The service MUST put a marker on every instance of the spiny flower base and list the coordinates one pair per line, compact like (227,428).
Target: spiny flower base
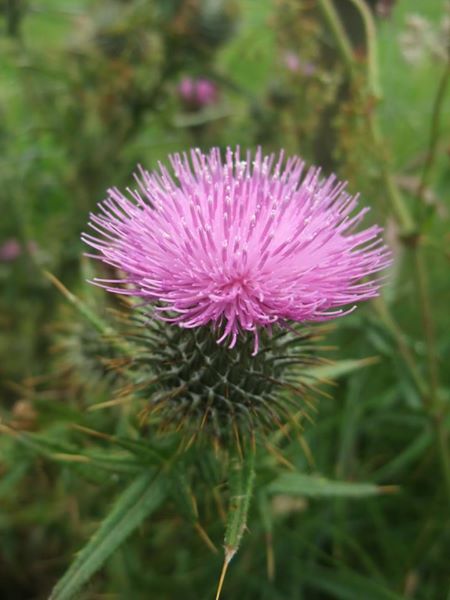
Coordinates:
(199,386)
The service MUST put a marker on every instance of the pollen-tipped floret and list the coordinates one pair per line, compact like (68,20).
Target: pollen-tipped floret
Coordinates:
(239,243)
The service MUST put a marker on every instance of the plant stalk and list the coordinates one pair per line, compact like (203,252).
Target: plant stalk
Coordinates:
(408,226)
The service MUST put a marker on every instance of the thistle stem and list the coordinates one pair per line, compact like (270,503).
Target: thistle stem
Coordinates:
(343,44)
(373,77)
(399,208)
(333,21)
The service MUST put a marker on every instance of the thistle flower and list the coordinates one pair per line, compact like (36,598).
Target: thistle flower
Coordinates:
(238,245)
(244,250)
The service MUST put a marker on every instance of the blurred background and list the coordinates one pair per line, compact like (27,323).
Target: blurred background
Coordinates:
(88,90)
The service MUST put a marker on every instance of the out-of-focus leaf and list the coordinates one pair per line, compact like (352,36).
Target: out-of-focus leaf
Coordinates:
(337,369)
(12,477)
(139,500)
(298,484)
(66,453)
(411,453)
(346,585)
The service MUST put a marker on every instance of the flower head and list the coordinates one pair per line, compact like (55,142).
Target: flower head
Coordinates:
(239,243)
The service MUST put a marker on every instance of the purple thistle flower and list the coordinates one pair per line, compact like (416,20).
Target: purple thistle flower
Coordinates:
(239,244)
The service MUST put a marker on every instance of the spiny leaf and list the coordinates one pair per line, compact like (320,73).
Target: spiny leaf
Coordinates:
(139,500)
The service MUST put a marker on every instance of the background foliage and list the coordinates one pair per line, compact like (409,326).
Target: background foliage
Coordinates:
(87,91)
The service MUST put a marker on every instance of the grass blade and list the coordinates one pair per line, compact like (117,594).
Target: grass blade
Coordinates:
(314,486)
(141,498)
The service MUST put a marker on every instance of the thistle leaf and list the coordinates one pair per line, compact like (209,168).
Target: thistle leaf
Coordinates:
(139,500)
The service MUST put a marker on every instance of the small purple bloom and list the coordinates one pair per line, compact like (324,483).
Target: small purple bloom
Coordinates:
(198,93)
(239,243)
(10,250)
(186,89)
(206,92)
(291,61)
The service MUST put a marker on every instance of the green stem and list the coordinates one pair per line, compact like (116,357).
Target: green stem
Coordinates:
(398,205)
(333,21)
(432,400)
(443,444)
(399,208)
(373,76)
(385,315)
(434,132)
(428,325)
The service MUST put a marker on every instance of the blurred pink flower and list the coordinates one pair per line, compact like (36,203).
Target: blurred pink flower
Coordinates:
(198,93)
(295,64)
(186,89)
(10,250)
(291,61)
(206,92)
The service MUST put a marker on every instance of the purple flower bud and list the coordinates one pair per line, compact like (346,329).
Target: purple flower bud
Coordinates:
(197,93)
(206,92)
(294,64)
(186,89)
(291,61)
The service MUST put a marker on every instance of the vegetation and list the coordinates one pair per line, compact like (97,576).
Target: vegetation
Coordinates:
(349,500)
